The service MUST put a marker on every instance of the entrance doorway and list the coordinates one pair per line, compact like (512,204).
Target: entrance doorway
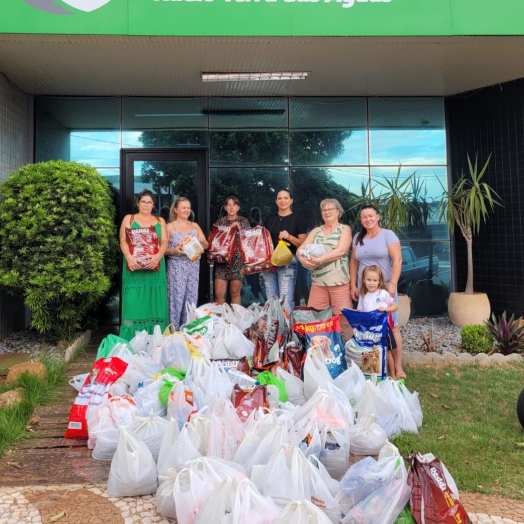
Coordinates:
(169,173)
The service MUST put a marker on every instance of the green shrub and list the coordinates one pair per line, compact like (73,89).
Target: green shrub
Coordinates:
(476,339)
(58,243)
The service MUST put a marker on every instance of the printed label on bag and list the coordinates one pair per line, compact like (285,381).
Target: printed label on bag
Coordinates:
(74,425)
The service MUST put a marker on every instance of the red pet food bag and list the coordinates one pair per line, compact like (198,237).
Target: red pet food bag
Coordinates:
(432,500)
(222,244)
(143,244)
(256,248)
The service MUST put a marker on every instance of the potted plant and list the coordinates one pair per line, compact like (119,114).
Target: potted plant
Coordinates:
(467,205)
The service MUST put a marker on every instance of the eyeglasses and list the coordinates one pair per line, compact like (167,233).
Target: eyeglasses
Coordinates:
(146,203)
(329,209)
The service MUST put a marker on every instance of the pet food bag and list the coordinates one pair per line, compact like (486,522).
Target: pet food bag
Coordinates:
(222,244)
(368,346)
(256,248)
(191,247)
(434,496)
(143,244)
(325,339)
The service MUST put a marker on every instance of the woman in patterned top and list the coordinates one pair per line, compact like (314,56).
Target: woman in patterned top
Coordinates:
(330,272)
(234,271)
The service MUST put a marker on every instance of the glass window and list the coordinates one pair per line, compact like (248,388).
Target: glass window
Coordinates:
(310,185)
(423,189)
(256,188)
(149,122)
(407,131)
(328,131)
(80,129)
(248,131)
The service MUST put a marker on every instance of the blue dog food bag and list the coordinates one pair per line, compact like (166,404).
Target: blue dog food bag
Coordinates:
(367,349)
(326,337)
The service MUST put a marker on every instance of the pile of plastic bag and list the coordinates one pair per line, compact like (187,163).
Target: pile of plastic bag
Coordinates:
(239,418)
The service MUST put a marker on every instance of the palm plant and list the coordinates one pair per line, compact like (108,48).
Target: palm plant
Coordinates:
(467,205)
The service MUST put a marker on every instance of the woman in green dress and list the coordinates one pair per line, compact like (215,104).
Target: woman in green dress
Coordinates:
(144,288)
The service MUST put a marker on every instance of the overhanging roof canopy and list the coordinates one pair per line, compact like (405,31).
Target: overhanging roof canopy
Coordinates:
(339,66)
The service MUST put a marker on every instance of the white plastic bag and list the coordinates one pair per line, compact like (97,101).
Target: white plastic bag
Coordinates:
(150,430)
(372,402)
(246,317)
(302,512)
(155,346)
(351,382)
(165,497)
(175,353)
(384,504)
(226,431)
(133,471)
(140,341)
(147,398)
(183,451)
(316,374)
(220,504)
(391,391)
(180,403)
(122,352)
(294,387)
(413,403)
(146,366)
(219,385)
(253,508)
(78,381)
(169,439)
(366,437)
(123,410)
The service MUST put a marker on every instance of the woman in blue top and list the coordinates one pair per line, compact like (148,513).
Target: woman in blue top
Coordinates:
(373,245)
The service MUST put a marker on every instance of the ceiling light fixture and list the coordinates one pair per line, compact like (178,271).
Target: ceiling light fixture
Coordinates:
(252,77)
(167,114)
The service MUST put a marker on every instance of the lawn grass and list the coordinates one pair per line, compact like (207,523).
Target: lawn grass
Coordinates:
(470,423)
(37,391)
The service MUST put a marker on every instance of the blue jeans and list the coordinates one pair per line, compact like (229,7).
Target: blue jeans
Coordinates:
(282,284)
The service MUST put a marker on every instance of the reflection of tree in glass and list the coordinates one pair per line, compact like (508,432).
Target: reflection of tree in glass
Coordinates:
(255,187)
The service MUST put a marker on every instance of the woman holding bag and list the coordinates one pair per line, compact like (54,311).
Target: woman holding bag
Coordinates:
(144,294)
(330,271)
(290,227)
(182,272)
(234,271)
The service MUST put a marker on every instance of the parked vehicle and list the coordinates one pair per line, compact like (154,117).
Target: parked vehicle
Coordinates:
(415,270)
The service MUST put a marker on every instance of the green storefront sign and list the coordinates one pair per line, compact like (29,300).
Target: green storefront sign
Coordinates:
(264,17)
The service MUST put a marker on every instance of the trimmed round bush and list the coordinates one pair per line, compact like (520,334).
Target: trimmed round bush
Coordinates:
(58,242)
(476,339)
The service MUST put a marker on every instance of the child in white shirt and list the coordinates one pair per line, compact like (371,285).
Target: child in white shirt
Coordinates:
(373,296)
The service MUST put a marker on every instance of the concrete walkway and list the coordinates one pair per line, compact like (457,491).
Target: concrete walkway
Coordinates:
(49,475)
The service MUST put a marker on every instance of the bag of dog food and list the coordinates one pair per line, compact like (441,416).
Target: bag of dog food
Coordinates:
(367,349)
(143,244)
(222,244)
(325,339)
(256,249)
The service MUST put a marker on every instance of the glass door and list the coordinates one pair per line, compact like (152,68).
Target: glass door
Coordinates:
(169,174)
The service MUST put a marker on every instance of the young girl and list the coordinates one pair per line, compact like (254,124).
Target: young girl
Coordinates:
(373,296)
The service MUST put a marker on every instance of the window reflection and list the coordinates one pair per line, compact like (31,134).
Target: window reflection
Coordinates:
(407,131)
(328,131)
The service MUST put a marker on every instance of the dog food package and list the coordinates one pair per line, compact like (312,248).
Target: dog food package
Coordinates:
(143,244)
(256,249)
(325,339)
(367,349)
(222,244)
(434,495)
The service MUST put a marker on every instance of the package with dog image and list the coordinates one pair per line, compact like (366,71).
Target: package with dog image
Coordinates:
(324,338)
(367,349)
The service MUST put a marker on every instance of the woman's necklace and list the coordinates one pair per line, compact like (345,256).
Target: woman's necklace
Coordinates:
(280,217)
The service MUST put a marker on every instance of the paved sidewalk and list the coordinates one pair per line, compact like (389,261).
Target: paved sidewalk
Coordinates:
(49,475)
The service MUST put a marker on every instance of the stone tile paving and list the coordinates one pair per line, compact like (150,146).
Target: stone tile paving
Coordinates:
(90,504)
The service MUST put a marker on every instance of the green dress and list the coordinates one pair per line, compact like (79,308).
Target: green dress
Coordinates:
(144,298)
